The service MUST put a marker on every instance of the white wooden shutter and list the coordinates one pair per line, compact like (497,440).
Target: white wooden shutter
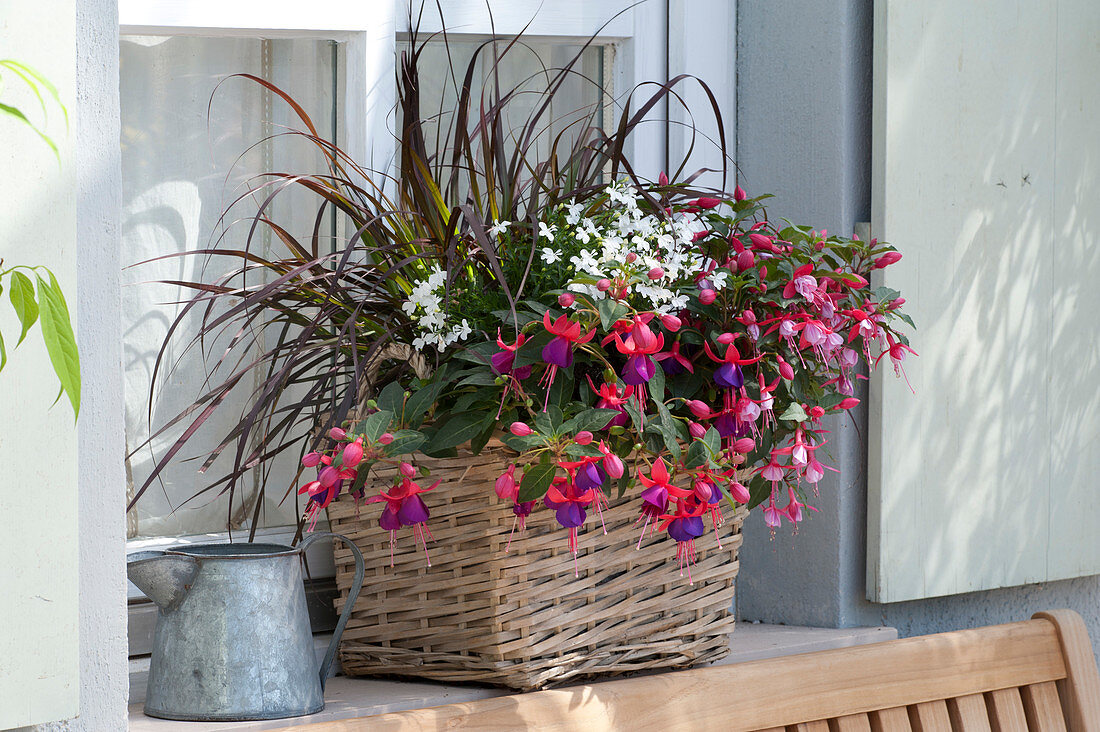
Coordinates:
(986,155)
(38,543)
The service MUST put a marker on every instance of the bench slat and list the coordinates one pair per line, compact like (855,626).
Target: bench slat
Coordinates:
(930,716)
(850,723)
(1043,708)
(968,713)
(1006,710)
(891,720)
(1080,692)
(818,726)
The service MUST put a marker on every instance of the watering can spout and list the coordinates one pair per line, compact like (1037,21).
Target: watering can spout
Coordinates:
(164,578)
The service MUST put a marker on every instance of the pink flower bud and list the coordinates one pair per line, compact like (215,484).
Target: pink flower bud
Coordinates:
(744,446)
(697,430)
(699,235)
(584,437)
(739,194)
(847,403)
(613,464)
(656,273)
(519,429)
(785,369)
(739,492)
(506,485)
(726,338)
(566,299)
(895,304)
(630,258)
(745,260)
(662,179)
(385,439)
(707,296)
(353,453)
(708,203)
(337,434)
(761,240)
(328,476)
(671,322)
(699,408)
(603,285)
(887,259)
(311,459)
(408,470)
(817,412)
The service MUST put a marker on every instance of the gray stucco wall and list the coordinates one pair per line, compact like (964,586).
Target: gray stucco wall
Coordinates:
(803,123)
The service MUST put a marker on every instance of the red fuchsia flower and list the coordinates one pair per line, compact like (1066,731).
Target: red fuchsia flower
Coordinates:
(685,525)
(570,509)
(728,375)
(897,351)
(612,463)
(767,401)
(794,507)
(611,397)
(558,353)
(673,362)
(708,493)
(772,515)
(521,511)
(503,360)
(405,507)
(311,459)
(320,496)
(655,497)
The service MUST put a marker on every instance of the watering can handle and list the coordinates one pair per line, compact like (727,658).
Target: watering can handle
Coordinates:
(349,605)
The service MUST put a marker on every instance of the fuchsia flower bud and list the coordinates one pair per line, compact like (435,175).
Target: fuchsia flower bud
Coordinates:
(613,464)
(671,322)
(656,273)
(519,429)
(895,304)
(328,476)
(408,470)
(707,296)
(785,369)
(699,408)
(311,459)
(726,338)
(631,257)
(662,179)
(847,403)
(817,412)
(353,453)
(745,260)
(887,259)
(697,430)
(584,437)
(506,485)
(761,240)
(739,492)
(566,299)
(603,285)
(337,434)
(744,446)
(708,203)
(385,439)
(739,194)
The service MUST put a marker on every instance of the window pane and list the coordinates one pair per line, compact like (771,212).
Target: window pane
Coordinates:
(180,169)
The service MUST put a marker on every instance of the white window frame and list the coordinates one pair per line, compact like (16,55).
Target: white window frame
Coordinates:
(369,29)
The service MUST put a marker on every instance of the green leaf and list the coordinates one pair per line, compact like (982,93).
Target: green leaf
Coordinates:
(478,443)
(405,442)
(536,479)
(592,419)
(480,378)
(713,441)
(3,353)
(459,429)
(22,299)
(391,398)
(575,450)
(57,333)
(561,392)
(530,352)
(696,455)
(656,386)
(556,417)
(421,402)
(794,413)
(668,430)
(375,425)
(610,311)
(521,444)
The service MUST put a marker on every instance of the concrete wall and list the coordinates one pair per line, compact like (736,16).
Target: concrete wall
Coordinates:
(101,482)
(804,105)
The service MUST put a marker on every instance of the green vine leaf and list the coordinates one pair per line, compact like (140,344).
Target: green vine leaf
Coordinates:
(57,333)
(22,299)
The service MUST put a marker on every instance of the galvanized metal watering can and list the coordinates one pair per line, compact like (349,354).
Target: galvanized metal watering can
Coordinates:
(233,640)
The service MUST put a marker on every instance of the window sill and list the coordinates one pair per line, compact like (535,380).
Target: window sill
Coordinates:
(348,698)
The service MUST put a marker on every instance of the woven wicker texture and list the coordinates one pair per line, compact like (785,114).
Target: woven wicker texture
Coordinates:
(522,619)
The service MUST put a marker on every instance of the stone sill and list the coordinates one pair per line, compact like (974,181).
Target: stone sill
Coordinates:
(348,698)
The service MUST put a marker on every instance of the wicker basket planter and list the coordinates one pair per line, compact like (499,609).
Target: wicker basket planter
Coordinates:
(522,619)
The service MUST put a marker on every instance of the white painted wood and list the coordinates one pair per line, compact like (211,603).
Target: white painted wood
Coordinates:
(984,176)
(39,677)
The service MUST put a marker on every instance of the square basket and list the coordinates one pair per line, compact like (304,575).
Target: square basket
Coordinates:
(521,619)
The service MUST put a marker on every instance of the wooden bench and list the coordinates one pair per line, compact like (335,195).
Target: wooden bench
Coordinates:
(1036,675)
